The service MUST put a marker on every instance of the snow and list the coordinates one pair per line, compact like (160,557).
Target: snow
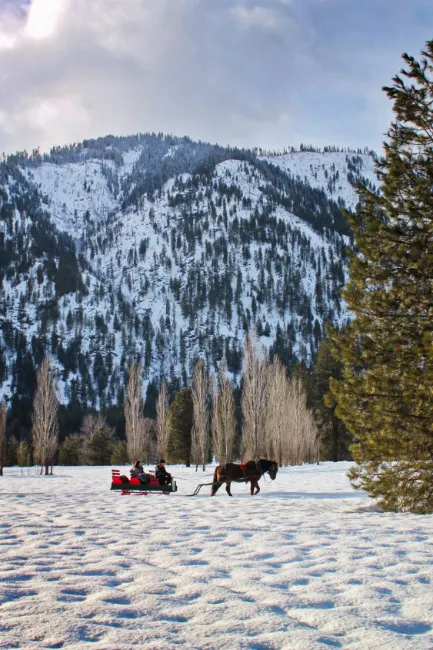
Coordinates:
(307,564)
(129,159)
(73,189)
(315,168)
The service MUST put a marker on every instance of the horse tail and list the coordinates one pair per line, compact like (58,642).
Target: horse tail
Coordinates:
(216,480)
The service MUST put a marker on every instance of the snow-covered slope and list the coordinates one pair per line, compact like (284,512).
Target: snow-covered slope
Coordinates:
(334,172)
(75,192)
(72,192)
(164,249)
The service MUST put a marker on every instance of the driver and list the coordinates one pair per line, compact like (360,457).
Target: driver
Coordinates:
(161,473)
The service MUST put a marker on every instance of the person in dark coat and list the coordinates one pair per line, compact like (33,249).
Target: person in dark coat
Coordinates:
(161,473)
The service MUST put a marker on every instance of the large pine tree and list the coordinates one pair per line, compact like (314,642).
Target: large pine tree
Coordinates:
(180,420)
(385,395)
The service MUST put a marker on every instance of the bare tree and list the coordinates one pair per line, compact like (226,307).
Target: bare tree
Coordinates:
(2,436)
(162,420)
(253,400)
(224,416)
(291,433)
(294,453)
(45,425)
(216,426)
(148,434)
(91,424)
(277,400)
(135,430)
(307,434)
(200,428)
(301,437)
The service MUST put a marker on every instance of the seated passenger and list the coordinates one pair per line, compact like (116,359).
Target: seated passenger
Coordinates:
(137,471)
(161,473)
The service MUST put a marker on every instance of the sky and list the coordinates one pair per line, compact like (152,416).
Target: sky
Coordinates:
(268,73)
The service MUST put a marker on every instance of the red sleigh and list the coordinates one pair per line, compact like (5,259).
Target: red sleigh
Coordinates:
(126,485)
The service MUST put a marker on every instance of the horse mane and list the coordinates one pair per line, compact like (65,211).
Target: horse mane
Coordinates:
(266,464)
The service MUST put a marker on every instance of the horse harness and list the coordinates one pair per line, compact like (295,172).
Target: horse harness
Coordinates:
(244,469)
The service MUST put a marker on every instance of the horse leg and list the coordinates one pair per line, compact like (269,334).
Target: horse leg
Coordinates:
(255,489)
(228,489)
(215,488)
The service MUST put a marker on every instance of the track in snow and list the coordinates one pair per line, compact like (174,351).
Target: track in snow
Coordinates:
(307,564)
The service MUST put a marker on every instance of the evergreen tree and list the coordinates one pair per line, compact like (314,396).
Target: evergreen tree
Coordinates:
(150,403)
(24,454)
(11,451)
(70,451)
(68,276)
(180,419)
(385,395)
(334,437)
(120,454)
(101,446)
(3,439)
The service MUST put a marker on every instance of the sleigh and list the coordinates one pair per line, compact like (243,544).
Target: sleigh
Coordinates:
(135,486)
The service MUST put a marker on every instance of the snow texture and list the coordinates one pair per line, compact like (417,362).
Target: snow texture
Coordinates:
(72,190)
(307,564)
(328,171)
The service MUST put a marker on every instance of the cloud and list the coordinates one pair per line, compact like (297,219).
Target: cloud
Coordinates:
(256,17)
(237,72)
(44,17)
(12,15)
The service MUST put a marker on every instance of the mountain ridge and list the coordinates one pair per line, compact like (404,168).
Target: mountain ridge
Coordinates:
(162,249)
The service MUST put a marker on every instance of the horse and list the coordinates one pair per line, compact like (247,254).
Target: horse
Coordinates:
(250,472)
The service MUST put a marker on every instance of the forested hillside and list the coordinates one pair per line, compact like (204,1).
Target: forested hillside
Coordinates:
(161,249)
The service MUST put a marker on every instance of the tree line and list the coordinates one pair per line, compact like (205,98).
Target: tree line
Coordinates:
(272,414)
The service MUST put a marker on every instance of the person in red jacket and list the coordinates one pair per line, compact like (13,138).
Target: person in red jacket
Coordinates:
(161,473)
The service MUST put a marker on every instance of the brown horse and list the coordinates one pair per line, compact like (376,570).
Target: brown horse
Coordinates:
(250,472)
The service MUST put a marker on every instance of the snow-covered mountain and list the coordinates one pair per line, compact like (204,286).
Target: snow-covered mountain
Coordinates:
(335,172)
(162,249)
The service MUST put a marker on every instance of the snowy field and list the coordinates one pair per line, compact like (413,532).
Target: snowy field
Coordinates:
(307,564)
